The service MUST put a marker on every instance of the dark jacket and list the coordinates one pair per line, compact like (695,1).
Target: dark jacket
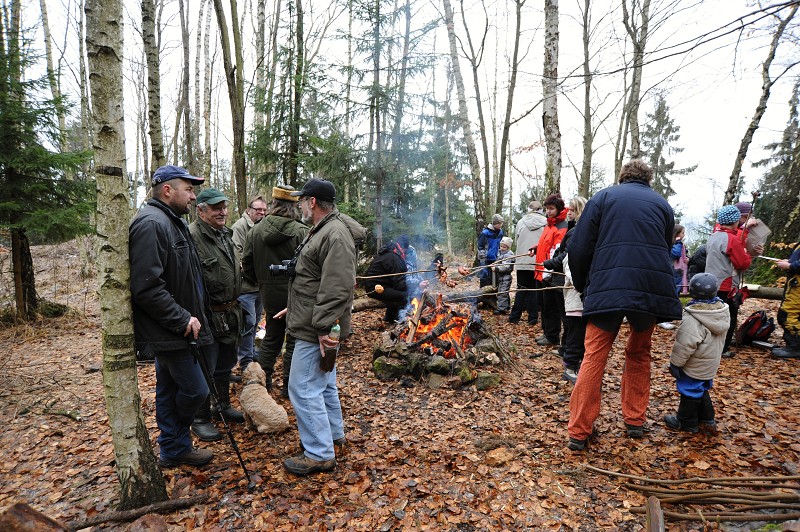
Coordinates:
(697,262)
(166,281)
(489,244)
(619,253)
(322,291)
(222,278)
(272,240)
(556,264)
(387,261)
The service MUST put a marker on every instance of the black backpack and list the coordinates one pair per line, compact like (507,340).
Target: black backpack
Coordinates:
(755,328)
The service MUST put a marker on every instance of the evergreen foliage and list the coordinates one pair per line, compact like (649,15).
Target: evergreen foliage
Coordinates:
(35,194)
(658,142)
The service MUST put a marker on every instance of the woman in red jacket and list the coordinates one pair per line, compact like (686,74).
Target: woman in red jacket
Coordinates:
(552,300)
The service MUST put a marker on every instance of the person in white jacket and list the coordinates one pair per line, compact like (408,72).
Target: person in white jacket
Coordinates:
(528,231)
(696,355)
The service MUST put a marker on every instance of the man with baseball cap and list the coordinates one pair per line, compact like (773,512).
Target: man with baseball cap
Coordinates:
(223,282)
(168,301)
(320,296)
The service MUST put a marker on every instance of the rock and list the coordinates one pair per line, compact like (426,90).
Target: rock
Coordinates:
(453,382)
(386,368)
(149,523)
(499,456)
(22,518)
(438,364)
(492,359)
(435,381)
(466,374)
(486,380)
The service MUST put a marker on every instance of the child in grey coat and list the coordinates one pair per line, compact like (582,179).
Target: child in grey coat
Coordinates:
(696,355)
(503,267)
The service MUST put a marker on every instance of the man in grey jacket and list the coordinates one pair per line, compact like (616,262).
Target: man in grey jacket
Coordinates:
(320,297)
(529,230)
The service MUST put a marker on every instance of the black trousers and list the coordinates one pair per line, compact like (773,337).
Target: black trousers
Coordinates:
(573,347)
(526,301)
(734,310)
(395,301)
(552,313)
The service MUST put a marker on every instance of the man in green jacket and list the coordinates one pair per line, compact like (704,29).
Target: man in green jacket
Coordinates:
(273,240)
(222,278)
(320,297)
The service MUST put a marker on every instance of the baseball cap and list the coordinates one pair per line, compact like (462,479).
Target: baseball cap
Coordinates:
(211,196)
(317,188)
(169,172)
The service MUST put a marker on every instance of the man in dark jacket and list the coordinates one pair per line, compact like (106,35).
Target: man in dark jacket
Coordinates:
(223,281)
(272,241)
(391,259)
(169,301)
(619,260)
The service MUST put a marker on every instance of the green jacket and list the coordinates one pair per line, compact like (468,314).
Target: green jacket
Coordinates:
(240,230)
(222,277)
(273,239)
(322,290)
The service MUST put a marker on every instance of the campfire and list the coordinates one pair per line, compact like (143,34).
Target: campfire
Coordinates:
(440,337)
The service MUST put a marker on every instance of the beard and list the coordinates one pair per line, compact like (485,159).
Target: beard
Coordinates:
(306,219)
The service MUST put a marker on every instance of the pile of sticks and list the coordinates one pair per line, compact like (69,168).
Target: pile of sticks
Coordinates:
(738,499)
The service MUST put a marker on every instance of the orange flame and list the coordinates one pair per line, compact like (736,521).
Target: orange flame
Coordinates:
(431,317)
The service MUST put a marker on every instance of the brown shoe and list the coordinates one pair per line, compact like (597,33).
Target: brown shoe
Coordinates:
(193,457)
(303,465)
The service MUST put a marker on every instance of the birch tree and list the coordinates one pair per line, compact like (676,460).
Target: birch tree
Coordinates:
(151,48)
(140,479)
(552,133)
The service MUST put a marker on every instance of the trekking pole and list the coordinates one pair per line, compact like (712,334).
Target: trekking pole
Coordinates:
(213,390)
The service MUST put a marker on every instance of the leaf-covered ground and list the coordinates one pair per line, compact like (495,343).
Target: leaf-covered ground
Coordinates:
(417,459)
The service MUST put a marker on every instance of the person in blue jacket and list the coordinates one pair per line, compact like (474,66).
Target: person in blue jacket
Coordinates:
(619,260)
(489,247)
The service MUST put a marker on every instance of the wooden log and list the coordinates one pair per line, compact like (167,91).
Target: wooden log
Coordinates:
(23,518)
(367,303)
(414,322)
(655,516)
(765,292)
(130,515)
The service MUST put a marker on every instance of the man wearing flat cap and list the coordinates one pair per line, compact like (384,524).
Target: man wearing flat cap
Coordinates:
(249,299)
(273,240)
(223,282)
(320,296)
(169,301)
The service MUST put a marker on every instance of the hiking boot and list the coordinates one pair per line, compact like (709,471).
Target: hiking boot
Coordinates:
(708,427)
(193,457)
(231,414)
(235,377)
(205,430)
(785,352)
(544,341)
(577,445)
(570,375)
(635,431)
(673,423)
(303,465)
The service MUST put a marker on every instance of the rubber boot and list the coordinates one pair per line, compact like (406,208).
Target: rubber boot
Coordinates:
(230,413)
(686,419)
(706,414)
(202,427)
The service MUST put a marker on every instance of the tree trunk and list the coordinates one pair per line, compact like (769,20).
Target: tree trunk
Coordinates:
(297,96)
(588,134)
(509,106)
(475,59)
(207,83)
(766,86)
(199,156)
(235,81)
(52,78)
(153,86)
(375,128)
(187,119)
(638,38)
(140,479)
(474,164)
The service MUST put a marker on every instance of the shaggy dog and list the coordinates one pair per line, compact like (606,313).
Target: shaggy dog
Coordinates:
(260,409)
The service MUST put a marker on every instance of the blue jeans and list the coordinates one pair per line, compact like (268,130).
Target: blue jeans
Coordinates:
(251,313)
(315,399)
(180,390)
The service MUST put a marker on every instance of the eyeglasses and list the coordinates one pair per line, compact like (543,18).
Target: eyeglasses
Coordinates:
(259,210)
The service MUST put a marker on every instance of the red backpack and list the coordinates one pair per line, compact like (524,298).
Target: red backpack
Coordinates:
(756,327)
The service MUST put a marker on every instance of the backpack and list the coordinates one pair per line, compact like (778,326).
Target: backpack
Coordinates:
(755,328)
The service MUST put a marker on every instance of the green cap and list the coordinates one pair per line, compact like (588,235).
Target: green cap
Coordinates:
(211,196)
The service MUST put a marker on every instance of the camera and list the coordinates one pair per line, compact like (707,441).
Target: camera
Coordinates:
(286,267)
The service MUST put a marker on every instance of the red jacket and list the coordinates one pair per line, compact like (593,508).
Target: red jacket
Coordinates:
(551,238)
(725,256)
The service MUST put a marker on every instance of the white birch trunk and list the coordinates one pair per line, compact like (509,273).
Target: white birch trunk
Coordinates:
(552,132)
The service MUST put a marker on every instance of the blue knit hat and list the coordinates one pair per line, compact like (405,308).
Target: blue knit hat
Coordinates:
(728,214)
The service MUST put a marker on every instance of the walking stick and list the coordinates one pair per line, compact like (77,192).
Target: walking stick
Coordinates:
(212,387)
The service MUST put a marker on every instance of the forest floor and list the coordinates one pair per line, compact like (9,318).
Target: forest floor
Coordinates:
(417,458)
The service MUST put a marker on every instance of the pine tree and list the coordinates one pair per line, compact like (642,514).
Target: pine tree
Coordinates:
(37,198)
(658,139)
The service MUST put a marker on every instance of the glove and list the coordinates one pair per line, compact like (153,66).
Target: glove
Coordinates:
(675,371)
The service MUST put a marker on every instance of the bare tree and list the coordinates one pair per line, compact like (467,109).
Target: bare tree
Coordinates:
(766,86)
(151,48)
(140,479)
(552,133)
(53,75)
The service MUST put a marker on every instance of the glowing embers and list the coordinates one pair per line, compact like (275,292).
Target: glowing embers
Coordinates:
(438,328)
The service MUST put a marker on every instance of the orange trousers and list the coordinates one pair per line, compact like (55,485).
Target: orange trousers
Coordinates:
(584,403)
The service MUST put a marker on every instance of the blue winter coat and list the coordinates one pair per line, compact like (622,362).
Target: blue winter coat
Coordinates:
(489,244)
(619,253)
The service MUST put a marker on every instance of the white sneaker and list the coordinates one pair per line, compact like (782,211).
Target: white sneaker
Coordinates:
(666,325)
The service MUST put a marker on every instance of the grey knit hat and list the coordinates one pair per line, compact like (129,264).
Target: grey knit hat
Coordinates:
(728,214)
